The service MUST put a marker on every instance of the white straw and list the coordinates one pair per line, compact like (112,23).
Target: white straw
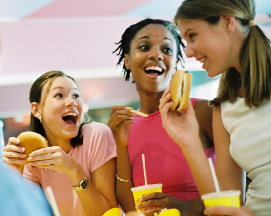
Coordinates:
(52,201)
(214,175)
(144,168)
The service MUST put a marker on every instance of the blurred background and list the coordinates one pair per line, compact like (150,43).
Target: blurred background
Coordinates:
(78,37)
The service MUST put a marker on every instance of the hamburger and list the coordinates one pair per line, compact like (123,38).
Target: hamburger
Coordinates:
(32,141)
(180,85)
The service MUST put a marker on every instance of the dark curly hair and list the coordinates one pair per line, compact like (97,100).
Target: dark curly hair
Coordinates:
(128,35)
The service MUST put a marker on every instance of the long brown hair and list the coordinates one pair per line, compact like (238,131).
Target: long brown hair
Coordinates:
(255,55)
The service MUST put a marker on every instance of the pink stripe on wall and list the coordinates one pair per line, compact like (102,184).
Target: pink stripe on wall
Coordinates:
(83,8)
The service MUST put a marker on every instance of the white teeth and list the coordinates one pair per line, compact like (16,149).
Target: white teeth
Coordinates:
(202,60)
(154,68)
(69,114)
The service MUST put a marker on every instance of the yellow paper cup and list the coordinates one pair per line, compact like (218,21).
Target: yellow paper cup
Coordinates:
(170,212)
(223,198)
(140,191)
(113,212)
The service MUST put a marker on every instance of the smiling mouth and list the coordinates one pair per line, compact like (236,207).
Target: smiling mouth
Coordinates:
(202,60)
(153,71)
(70,118)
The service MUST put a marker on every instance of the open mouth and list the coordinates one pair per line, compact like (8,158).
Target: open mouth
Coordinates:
(70,118)
(154,71)
(202,60)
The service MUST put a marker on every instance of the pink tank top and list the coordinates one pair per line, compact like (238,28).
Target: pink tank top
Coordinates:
(164,160)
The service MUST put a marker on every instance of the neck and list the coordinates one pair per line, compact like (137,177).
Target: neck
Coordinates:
(65,144)
(149,102)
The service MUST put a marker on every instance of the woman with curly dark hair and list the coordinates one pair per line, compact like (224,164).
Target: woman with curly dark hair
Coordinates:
(150,51)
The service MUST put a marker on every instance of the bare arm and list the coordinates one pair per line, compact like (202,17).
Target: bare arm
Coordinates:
(183,128)
(123,189)
(228,172)
(101,189)
(204,115)
(119,123)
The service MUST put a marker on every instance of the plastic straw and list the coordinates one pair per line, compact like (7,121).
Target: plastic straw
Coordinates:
(214,175)
(52,201)
(144,168)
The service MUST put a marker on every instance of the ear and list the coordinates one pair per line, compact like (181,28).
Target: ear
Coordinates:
(229,23)
(35,110)
(127,61)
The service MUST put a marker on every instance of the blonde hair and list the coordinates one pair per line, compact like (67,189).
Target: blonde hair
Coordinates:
(255,55)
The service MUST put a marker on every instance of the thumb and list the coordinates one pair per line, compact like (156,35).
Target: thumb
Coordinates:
(190,108)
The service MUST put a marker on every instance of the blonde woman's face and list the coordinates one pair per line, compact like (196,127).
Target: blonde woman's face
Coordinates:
(209,44)
(62,111)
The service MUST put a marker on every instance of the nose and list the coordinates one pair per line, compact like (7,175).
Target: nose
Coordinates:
(189,51)
(71,101)
(156,54)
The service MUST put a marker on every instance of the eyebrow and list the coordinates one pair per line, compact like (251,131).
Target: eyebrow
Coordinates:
(62,88)
(148,37)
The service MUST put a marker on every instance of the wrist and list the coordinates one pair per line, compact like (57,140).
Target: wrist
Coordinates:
(122,149)
(76,174)
(83,185)
(122,180)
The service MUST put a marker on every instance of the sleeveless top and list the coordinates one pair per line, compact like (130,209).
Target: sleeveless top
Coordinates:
(250,147)
(164,159)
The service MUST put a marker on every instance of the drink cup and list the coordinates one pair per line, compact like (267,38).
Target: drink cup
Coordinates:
(113,212)
(140,191)
(223,198)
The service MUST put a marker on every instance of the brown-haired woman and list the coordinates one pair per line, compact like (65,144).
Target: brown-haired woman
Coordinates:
(79,164)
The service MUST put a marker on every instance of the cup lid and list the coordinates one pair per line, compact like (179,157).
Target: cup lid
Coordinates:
(221,194)
(146,187)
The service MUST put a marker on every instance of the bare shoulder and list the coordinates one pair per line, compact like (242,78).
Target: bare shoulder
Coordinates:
(204,114)
(203,111)
(202,105)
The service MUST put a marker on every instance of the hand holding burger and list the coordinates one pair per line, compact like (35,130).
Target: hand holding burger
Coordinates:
(31,141)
